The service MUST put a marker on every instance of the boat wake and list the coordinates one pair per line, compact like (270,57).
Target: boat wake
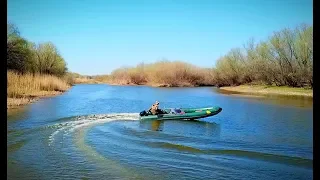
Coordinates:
(73,123)
(291,160)
(66,136)
(77,127)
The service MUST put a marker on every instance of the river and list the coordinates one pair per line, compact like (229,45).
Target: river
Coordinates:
(94,132)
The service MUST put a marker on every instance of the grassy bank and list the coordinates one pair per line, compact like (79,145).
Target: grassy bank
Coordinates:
(25,89)
(269,90)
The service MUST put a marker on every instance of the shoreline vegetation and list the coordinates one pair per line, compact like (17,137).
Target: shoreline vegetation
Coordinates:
(283,63)
(33,70)
(28,88)
(280,65)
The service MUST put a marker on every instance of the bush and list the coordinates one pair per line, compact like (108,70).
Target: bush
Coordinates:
(286,58)
(168,73)
(24,56)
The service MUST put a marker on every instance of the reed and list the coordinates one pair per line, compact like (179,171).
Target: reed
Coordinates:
(163,73)
(29,85)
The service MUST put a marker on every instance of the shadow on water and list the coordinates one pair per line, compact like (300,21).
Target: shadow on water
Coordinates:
(156,125)
(16,146)
(17,113)
(183,127)
(283,159)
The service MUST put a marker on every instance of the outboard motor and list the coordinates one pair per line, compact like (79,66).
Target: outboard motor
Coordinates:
(143,113)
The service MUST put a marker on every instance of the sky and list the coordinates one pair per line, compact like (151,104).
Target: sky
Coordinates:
(98,36)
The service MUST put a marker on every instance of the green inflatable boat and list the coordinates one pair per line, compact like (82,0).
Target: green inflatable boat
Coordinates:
(182,113)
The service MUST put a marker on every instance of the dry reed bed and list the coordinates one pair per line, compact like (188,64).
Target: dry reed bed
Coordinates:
(163,73)
(84,80)
(23,89)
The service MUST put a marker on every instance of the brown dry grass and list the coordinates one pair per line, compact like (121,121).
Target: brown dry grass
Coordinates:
(84,80)
(163,73)
(23,89)
(102,78)
(19,101)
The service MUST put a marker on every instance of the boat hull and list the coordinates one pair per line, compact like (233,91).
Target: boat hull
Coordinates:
(190,113)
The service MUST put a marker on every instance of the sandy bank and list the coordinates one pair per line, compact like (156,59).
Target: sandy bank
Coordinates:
(269,90)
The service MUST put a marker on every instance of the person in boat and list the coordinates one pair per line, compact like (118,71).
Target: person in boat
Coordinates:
(154,110)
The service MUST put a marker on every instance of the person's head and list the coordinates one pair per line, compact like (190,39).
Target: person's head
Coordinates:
(154,106)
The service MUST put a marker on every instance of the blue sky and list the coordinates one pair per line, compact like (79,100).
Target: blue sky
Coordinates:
(98,36)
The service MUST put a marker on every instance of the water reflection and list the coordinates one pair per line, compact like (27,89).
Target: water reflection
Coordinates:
(152,125)
(183,127)
(17,113)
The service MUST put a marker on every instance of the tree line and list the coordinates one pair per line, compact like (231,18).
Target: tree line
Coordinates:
(24,56)
(284,59)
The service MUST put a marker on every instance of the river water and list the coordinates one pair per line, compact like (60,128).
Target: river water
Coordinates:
(94,132)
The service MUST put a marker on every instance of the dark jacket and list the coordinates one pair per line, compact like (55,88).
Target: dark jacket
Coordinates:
(156,111)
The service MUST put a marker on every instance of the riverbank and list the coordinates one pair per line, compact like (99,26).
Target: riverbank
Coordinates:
(85,80)
(150,84)
(13,103)
(28,88)
(249,90)
(269,90)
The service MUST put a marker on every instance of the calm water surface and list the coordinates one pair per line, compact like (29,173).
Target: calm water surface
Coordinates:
(93,132)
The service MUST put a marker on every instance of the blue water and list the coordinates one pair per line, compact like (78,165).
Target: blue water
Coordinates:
(93,132)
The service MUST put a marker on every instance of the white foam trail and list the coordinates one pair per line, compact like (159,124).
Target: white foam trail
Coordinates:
(90,120)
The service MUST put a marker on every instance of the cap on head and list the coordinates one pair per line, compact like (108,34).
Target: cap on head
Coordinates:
(157,103)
